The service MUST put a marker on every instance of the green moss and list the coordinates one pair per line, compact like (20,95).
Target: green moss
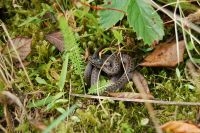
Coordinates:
(46,63)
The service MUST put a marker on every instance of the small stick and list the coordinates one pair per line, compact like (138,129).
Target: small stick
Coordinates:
(139,100)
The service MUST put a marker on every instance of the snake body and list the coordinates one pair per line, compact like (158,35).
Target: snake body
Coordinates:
(112,66)
(89,68)
(128,68)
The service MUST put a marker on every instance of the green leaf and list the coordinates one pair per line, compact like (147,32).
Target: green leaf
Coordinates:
(190,46)
(58,120)
(63,74)
(72,53)
(102,84)
(145,21)
(69,38)
(118,35)
(37,18)
(40,80)
(196,60)
(41,102)
(144,121)
(45,101)
(178,73)
(53,104)
(110,16)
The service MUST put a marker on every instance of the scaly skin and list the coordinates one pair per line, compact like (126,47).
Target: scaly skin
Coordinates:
(129,66)
(112,65)
(94,76)
(89,68)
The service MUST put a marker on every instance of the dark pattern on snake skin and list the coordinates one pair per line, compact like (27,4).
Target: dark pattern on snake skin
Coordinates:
(89,68)
(112,66)
(129,66)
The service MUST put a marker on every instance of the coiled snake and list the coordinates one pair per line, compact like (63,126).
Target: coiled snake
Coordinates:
(113,65)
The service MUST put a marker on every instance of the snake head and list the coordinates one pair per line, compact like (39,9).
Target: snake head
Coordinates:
(95,61)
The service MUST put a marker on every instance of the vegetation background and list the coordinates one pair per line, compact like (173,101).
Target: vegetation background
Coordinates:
(43,50)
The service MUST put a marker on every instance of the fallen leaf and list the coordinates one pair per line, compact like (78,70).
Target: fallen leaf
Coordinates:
(165,55)
(38,124)
(25,63)
(131,95)
(180,127)
(198,118)
(22,46)
(140,82)
(192,74)
(194,17)
(56,38)
(11,98)
(192,70)
(9,119)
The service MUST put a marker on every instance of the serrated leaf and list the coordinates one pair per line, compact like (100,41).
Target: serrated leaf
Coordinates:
(102,84)
(41,102)
(145,21)
(45,101)
(109,17)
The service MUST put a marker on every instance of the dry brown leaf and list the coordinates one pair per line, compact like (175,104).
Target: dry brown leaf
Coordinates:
(38,124)
(131,95)
(193,74)
(140,82)
(165,55)
(10,98)
(194,17)
(25,63)
(22,45)
(9,119)
(180,127)
(192,70)
(56,38)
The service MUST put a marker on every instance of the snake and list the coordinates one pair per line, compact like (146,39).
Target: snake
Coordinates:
(111,65)
(128,68)
(89,68)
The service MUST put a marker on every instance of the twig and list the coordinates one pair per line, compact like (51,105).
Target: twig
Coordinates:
(139,100)
(170,14)
(102,8)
